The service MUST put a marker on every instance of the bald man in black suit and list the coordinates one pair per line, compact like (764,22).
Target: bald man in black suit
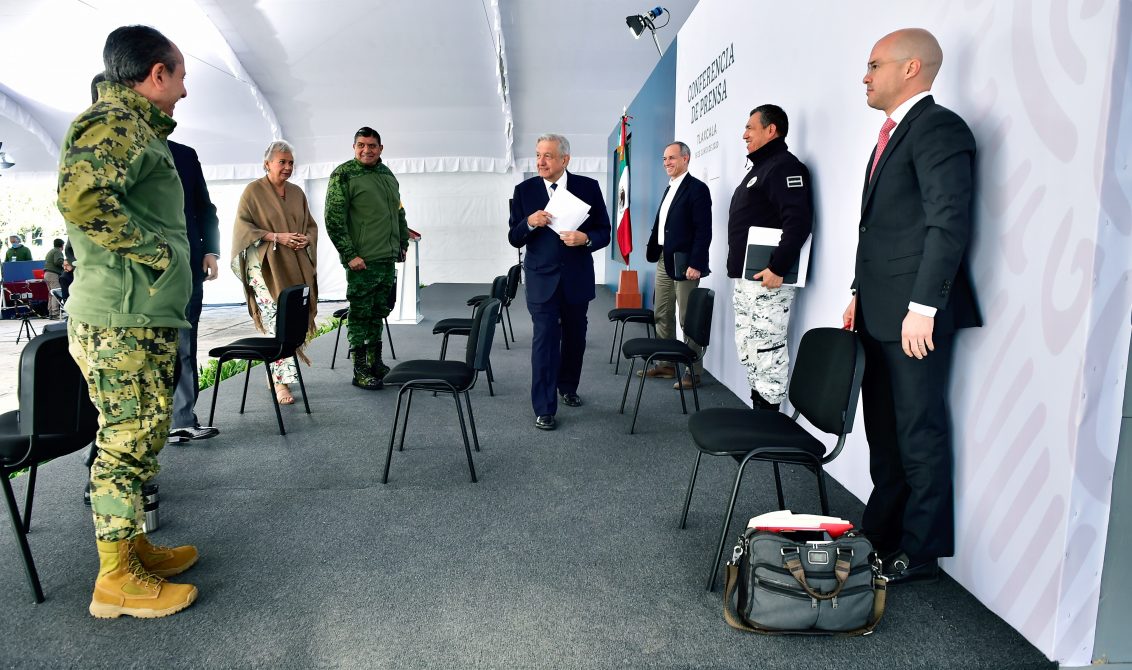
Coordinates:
(912,291)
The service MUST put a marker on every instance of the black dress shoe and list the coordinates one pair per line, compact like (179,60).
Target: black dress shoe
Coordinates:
(571,400)
(545,422)
(899,569)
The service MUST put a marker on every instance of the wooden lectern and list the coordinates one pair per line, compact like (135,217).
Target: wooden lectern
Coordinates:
(628,292)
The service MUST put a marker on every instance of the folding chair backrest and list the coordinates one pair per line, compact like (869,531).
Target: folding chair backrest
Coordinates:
(482,334)
(52,390)
(697,322)
(513,276)
(499,288)
(294,315)
(826,380)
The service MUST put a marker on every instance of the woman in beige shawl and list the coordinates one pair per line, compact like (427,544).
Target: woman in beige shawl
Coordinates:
(273,247)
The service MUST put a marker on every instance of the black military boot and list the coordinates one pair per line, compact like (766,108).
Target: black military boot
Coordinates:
(363,377)
(760,402)
(377,367)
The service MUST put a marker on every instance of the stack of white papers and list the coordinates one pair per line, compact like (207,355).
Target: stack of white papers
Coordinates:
(567,211)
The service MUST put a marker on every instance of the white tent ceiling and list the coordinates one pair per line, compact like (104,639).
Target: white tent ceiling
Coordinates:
(426,74)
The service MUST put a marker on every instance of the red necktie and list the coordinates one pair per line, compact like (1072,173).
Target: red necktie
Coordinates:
(882,142)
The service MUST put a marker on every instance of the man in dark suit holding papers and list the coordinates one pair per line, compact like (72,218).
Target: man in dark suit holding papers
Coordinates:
(911,293)
(560,275)
(775,194)
(681,235)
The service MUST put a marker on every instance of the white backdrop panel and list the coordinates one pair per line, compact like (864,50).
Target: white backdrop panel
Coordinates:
(1036,393)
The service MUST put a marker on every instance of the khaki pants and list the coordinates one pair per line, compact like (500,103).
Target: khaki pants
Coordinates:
(670,295)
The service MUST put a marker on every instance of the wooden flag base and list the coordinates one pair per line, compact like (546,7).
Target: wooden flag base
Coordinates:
(628,293)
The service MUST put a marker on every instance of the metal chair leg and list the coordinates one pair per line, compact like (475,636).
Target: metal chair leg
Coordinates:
(29,495)
(472,421)
(405,423)
(392,434)
(620,345)
(302,386)
(247,376)
(726,524)
(464,432)
(637,409)
(695,386)
(21,539)
(778,485)
(613,344)
(821,490)
(628,376)
(274,397)
(680,385)
(507,310)
(691,485)
(444,346)
(389,334)
(490,379)
(215,389)
(337,337)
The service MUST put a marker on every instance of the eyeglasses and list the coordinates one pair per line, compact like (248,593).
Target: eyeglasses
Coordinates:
(875,65)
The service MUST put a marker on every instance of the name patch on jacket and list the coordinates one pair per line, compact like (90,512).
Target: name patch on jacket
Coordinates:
(794,182)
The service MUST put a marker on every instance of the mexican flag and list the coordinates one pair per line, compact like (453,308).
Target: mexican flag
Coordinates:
(624,230)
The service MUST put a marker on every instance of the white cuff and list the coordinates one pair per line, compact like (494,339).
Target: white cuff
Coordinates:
(922,309)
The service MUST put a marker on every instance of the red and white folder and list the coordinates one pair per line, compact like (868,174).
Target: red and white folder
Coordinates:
(786,521)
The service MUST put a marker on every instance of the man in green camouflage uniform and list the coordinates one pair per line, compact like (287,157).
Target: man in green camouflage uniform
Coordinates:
(121,198)
(365,221)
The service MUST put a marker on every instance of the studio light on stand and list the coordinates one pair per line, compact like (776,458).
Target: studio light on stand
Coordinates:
(638,22)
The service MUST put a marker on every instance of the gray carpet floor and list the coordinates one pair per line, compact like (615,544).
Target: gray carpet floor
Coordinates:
(566,554)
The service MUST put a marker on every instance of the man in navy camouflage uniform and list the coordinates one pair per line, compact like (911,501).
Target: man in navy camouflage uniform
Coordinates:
(121,198)
(775,193)
(365,221)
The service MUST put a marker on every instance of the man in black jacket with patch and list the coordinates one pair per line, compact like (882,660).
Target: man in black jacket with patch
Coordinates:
(775,193)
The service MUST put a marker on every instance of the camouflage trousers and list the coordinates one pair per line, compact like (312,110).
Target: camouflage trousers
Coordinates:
(370,293)
(129,374)
(761,319)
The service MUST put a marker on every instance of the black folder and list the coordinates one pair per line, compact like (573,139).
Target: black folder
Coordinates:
(680,261)
(758,259)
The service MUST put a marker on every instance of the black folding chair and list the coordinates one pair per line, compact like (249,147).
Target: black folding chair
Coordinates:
(290,334)
(824,387)
(626,315)
(514,274)
(455,377)
(55,418)
(697,326)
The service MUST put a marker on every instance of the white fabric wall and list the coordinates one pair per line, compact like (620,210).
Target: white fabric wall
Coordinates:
(462,219)
(1036,392)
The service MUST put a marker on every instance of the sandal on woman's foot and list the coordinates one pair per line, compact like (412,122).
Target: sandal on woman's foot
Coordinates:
(283,395)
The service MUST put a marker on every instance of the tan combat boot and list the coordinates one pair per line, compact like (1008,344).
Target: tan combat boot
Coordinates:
(164,561)
(125,587)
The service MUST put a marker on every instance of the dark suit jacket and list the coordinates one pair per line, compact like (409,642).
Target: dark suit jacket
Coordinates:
(687,228)
(916,223)
(548,261)
(201,223)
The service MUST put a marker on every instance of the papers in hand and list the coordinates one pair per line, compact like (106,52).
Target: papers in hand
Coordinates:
(567,211)
(761,243)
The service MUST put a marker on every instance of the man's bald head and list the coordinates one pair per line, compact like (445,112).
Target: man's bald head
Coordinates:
(902,64)
(919,44)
